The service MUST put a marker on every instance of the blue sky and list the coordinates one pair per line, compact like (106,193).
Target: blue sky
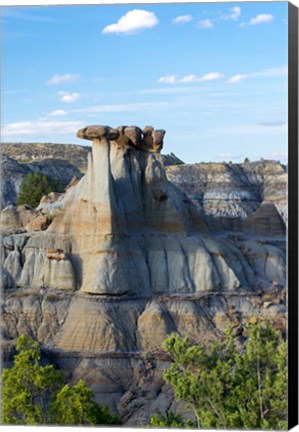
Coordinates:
(213,75)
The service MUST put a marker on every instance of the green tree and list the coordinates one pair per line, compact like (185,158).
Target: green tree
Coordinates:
(34,394)
(228,388)
(170,420)
(34,186)
(75,406)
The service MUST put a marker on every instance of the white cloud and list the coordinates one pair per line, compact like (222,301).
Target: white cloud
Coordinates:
(168,79)
(42,127)
(188,79)
(173,79)
(237,78)
(68,97)
(211,76)
(261,19)
(63,79)
(268,73)
(235,14)
(182,19)
(205,24)
(133,22)
(59,112)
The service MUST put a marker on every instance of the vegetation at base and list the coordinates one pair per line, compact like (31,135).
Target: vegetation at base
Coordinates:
(33,394)
(170,420)
(34,186)
(227,387)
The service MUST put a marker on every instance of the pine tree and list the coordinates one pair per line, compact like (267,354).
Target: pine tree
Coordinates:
(229,389)
(34,186)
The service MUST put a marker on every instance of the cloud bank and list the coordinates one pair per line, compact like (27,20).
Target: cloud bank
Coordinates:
(40,127)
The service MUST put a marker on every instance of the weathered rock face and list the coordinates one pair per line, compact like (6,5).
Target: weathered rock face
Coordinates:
(12,174)
(232,190)
(16,217)
(127,260)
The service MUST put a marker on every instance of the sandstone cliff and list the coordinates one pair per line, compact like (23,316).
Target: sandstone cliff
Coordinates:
(128,259)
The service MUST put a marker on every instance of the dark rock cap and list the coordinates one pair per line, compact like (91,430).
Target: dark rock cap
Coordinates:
(147,140)
(98,132)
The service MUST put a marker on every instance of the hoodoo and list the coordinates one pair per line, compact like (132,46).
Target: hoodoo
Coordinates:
(128,259)
(125,229)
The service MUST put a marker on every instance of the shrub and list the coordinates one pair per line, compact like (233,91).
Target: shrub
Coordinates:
(33,394)
(34,186)
(229,388)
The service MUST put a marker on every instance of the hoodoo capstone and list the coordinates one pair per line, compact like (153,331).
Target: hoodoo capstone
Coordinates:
(148,139)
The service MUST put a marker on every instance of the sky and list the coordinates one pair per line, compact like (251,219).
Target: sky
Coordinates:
(213,75)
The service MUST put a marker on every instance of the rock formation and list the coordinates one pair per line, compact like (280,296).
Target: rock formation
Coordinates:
(128,259)
(13,172)
(227,190)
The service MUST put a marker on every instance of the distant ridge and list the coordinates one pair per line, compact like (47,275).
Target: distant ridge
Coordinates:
(32,152)
(74,153)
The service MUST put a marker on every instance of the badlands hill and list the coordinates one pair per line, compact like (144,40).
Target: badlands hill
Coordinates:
(135,251)
(33,152)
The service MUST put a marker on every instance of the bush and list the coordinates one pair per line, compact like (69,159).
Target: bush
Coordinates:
(227,388)
(33,394)
(34,186)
